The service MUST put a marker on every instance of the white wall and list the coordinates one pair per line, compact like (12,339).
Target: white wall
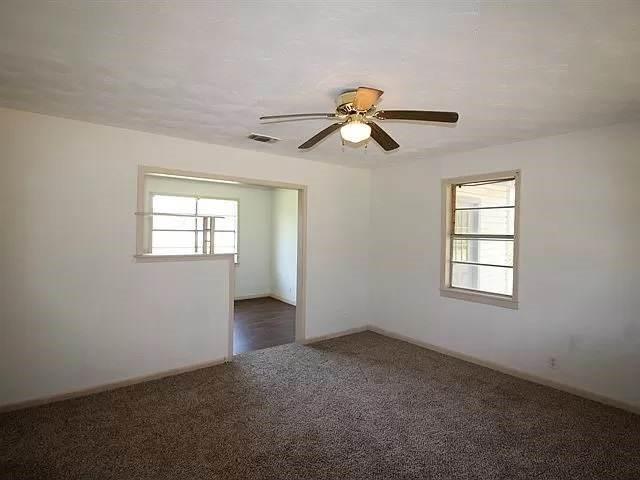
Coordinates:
(73,328)
(285,244)
(253,272)
(579,258)
(75,309)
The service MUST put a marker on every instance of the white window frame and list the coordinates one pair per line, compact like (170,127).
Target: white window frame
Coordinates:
(446,290)
(197,197)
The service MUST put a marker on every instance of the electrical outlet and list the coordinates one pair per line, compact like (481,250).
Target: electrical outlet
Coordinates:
(553,362)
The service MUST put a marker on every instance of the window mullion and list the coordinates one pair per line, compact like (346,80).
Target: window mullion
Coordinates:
(453,230)
(213,235)
(481,264)
(480,236)
(462,209)
(196,229)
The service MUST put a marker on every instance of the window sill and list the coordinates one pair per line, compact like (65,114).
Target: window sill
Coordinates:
(479,297)
(147,258)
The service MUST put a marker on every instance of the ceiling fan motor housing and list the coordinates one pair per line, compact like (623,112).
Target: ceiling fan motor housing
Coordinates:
(346,97)
(345,103)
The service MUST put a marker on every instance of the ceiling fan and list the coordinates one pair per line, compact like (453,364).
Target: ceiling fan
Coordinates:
(355,114)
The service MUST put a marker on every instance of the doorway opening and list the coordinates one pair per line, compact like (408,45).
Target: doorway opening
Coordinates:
(265,313)
(257,226)
(262,323)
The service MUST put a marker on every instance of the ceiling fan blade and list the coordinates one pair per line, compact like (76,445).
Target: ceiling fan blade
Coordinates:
(299,115)
(321,135)
(420,115)
(382,137)
(366,97)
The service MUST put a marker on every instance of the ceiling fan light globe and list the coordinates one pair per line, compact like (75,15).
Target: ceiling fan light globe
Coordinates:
(355,132)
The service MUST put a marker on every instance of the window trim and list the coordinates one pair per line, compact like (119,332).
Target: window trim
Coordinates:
(147,248)
(446,290)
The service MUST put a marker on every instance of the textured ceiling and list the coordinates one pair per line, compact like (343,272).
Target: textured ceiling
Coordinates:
(207,70)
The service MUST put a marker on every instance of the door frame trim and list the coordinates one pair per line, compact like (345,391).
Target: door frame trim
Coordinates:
(301,261)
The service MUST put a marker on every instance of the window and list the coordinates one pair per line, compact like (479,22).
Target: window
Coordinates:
(480,238)
(188,225)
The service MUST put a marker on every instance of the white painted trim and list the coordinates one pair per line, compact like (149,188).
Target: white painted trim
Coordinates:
(282,299)
(231,317)
(301,278)
(35,402)
(251,297)
(479,297)
(342,333)
(596,397)
(145,169)
(140,247)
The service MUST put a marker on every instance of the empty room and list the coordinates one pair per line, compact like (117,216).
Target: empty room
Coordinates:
(320,240)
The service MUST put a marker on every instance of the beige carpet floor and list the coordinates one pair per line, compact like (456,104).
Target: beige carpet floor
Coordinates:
(357,407)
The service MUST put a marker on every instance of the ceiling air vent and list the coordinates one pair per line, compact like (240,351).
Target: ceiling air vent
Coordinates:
(263,138)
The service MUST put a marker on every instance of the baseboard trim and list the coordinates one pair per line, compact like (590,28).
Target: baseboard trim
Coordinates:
(282,299)
(251,297)
(351,331)
(381,331)
(266,295)
(513,372)
(36,402)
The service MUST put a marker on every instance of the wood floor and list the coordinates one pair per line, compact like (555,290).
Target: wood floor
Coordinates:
(262,323)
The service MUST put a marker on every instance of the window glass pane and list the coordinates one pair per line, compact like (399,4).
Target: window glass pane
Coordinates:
(173,223)
(226,223)
(497,221)
(219,249)
(495,252)
(200,241)
(174,235)
(213,206)
(172,251)
(171,204)
(224,239)
(179,240)
(486,279)
(489,195)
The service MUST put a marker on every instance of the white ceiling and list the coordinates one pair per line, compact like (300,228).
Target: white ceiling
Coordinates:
(208,70)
